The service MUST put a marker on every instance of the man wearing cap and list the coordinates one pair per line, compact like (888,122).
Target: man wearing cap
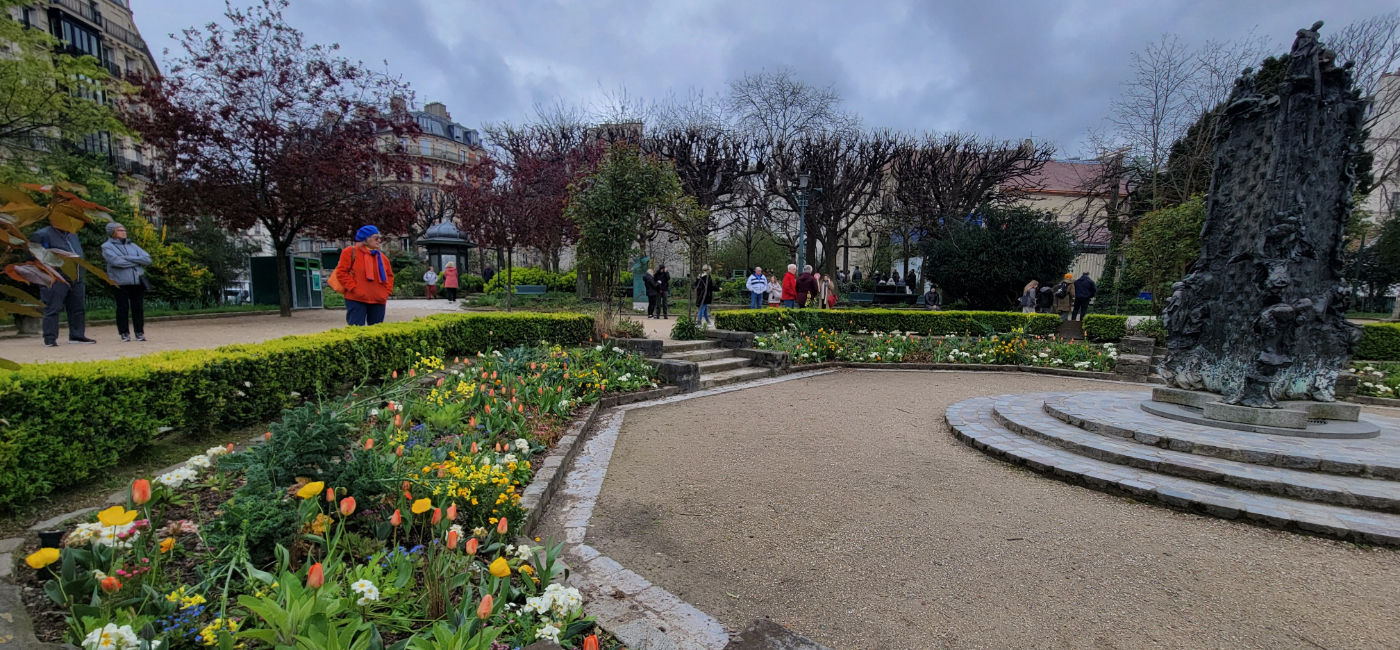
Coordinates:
(368,279)
(1064,297)
(63,296)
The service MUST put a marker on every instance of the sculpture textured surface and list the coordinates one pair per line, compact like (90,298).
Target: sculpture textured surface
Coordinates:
(1262,316)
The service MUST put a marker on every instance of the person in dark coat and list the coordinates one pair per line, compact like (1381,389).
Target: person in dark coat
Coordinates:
(663,288)
(912,281)
(1084,290)
(649,281)
(1044,299)
(70,296)
(933,301)
(486,274)
(856,275)
(806,286)
(704,294)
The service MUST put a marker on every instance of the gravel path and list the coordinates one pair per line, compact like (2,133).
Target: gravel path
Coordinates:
(841,506)
(201,333)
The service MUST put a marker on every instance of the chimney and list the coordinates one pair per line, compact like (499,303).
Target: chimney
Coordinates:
(397,104)
(437,109)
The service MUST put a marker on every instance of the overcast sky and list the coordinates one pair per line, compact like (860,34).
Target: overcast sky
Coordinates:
(1009,69)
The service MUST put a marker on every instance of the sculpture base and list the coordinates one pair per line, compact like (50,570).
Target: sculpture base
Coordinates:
(1296,418)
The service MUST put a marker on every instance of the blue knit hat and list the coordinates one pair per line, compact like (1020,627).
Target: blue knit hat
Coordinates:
(365,232)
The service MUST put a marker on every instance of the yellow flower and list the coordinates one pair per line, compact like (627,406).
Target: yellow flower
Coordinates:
(421,506)
(116,516)
(312,490)
(499,568)
(42,558)
(167,544)
(526,569)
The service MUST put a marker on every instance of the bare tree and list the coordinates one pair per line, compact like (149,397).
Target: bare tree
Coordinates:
(1372,46)
(776,107)
(1156,105)
(949,175)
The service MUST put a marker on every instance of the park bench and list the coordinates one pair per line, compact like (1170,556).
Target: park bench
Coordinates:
(529,289)
(860,297)
(894,299)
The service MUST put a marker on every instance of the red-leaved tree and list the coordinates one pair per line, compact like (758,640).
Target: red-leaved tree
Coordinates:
(258,128)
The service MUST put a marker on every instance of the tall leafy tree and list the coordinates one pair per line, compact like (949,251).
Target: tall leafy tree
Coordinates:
(1164,245)
(986,261)
(259,128)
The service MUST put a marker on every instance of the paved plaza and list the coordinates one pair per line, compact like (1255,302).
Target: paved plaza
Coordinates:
(842,506)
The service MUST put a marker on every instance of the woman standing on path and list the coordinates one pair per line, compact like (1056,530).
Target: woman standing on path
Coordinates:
(365,277)
(430,283)
(704,294)
(1028,297)
(828,293)
(126,267)
(449,282)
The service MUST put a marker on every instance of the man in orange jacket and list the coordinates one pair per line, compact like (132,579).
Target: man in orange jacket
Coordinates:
(368,279)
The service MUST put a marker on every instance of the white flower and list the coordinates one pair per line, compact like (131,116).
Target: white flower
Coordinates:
(496,353)
(199,462)
(215,452)
(247,384)
(295,395)
(1368,369)
(1368,384)
(625,376)
(112,637)
(361,586)
(177,477)
(461,534)
(374,413)
(240,393)
(619,350)
(1082,364)
(524,553)
(521,444)
(548,632)
(508,459)
(1044,355)
(598,348)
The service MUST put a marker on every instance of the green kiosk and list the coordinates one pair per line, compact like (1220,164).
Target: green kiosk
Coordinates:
(306,281)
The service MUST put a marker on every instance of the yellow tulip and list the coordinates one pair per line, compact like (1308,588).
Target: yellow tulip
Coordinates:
(116,516)
(421,506)
(499,568)
(311,490)
(42,558)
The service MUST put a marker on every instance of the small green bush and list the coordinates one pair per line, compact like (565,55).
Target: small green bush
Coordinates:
(68,421)
(1153,328)
(886,320)
(687,329)
(468,283)
(1103,328)
(1379,342)
(561,282)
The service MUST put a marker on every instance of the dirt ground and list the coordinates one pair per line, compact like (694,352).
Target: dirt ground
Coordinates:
(200,333)
(843,507)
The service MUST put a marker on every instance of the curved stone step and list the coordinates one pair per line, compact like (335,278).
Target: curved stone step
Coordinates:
(1118,414)
(1025,415)
(972,422)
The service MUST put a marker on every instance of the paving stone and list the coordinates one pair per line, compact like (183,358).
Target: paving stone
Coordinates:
(55,522)
(11,544)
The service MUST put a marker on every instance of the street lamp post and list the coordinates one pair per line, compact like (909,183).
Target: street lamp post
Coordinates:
(803,196)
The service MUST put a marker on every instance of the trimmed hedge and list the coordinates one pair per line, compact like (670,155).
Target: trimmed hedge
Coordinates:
(1379,342)
(886,320)
(1104,328)
(64,422)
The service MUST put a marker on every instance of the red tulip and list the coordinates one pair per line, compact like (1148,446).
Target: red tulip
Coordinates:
(315,577)
(111,585)
(347,506)
(229,447)
(396,518)
(502,526)
(140,491)
(472,545)
(437,516)
(267,436)
(483,611)
(452,512)
(452,538)
(412,373)
(590,642)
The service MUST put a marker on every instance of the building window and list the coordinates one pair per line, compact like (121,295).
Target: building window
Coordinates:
(463,153)
(426,146)
(426,173)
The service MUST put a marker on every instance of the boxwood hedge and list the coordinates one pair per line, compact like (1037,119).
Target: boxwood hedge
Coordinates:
(64,422)
(1105,328)
(886,320)
(1379,342)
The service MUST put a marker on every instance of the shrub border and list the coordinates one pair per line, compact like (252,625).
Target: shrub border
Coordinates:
(68,421)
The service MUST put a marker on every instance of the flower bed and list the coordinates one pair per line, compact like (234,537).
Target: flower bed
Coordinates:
(1377,379)
(821,345)
(936,323)
(382,520)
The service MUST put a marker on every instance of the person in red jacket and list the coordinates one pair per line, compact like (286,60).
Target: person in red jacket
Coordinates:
(368,279)
(790,286)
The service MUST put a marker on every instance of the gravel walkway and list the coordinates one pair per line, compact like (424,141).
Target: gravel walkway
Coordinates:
(841,506)
(201,333)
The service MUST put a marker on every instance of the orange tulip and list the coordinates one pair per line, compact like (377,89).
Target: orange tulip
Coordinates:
(405,485)
(472,422)
(412,373)
(398,420)
(399,452)
(394,374)
(267,436)
(440,380)
(483,611)
(396,518)
(452,512)
(522,407)
(475,449)
(502,526)
(590,642)
(347,506)
(330,495)
(315,577)
(493,374)
(140,491)
(111,584)
(472,545)
(452,538)
(488,409)
(437,516)
(369,444)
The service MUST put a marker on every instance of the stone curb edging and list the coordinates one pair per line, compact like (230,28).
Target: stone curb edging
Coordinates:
(639,613)
(169,318)
(974,367)
(1375,401)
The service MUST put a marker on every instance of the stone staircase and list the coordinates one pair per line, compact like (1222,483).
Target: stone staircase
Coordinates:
(1345,488)
(719,366)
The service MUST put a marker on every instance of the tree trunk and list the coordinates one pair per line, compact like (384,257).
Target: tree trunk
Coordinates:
(284,278)
(510,264)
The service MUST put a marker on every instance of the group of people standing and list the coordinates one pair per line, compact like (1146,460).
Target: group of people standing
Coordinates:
(126,269)
(807,289)
(449,282)
(1069,298)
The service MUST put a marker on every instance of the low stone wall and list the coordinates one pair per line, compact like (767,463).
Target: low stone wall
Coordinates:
(731,339)
(684,375)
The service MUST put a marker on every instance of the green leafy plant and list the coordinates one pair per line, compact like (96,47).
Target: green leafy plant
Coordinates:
(1152,328)
(687,329)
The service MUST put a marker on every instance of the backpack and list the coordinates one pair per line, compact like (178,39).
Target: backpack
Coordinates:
(1062,290)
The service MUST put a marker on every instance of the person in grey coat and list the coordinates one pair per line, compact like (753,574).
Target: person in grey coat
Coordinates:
(126,268)
(67,296)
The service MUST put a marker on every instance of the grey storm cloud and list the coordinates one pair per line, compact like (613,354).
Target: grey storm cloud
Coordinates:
(1003,68)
